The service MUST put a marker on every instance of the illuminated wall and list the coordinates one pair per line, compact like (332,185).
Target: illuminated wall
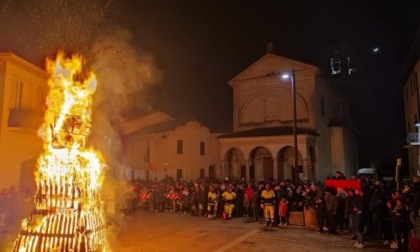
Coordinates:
(23,88)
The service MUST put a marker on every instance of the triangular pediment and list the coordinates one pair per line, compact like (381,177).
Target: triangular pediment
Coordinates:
(271,64)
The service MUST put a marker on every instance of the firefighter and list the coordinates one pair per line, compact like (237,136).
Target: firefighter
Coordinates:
(211,203)
(229,198)
(268,199)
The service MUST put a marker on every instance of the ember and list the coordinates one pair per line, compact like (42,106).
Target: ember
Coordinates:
(68,213)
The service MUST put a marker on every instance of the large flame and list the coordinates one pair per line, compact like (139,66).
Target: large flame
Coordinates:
(67,123)
(68,213)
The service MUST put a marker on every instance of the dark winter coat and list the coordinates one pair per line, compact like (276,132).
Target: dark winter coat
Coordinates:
(359,224)
(331,203)
(320,210)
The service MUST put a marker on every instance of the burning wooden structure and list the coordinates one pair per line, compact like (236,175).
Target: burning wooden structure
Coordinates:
(68,213)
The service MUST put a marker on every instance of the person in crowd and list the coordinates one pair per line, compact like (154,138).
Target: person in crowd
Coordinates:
(359,226)
(255,204)
(311,194)
(248,194)
(400,224)
(155,199)
(320,212)
(349,213)
(184,201)
(331,203)
(212,202)
(415,198)
(394,214)
(142,199)
(339,175)
(260,209)
(193,200)
(340,215)
(391,236)
(172,197)
(268,199)
(129,205)
(283,208)
(365,207)
(414,239)
(229,198)
(200,199)
(378,210)
(240,194)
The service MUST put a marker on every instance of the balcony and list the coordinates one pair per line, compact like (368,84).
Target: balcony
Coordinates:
(413,138)
(24,118)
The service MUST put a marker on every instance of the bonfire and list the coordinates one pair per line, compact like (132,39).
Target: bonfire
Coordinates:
(68,214)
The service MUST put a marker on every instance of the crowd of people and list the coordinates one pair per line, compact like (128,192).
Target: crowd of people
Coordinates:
(377,210)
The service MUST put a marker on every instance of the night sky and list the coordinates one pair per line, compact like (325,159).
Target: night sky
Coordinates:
(196,47)
(200,47)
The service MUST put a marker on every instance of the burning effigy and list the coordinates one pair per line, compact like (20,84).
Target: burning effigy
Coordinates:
(68,214)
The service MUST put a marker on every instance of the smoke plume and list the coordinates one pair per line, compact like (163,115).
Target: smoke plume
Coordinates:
(37,29)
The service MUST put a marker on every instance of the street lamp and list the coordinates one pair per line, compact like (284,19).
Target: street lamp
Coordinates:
(292,79)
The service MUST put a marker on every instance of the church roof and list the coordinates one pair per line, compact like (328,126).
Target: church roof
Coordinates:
(271,64)
(158,128)
(271,131)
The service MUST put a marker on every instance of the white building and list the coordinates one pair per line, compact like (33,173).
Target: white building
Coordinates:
(158,145)
(262,144)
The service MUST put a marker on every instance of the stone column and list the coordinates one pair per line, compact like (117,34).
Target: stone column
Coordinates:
(247,173)
(275,169)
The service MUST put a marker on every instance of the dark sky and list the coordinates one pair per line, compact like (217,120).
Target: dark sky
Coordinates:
(178,56)
(201,45)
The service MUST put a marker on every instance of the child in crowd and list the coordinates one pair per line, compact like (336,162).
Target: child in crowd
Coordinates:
(283,205)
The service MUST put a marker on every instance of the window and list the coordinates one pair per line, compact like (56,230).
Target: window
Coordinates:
(179,174)
(179,147)
(202,148)
(147,154)
(26,95)
(16,93)
(202,173)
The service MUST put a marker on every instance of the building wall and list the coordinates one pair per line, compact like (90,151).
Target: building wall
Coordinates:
(260,88)
(261,99)
(23,89)
(155,155)
(334,124)
(412,114)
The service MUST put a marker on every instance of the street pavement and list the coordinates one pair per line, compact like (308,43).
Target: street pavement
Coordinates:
(144,231)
